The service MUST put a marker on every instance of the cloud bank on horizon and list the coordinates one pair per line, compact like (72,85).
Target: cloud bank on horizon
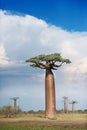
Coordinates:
(22,37)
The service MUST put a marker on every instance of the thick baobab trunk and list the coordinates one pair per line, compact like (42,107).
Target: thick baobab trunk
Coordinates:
(65,107)
(15,106)
(73,107)
(65,104)
(50,95)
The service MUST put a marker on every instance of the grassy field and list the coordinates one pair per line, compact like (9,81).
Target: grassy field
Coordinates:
(39,122)
(38,128)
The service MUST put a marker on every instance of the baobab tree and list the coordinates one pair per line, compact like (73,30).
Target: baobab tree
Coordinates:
(15,104)
(73,105)
(65,104)
(48,62)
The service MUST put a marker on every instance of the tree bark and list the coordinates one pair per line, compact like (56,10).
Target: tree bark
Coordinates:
(73,107)
(14,104)
(50,95)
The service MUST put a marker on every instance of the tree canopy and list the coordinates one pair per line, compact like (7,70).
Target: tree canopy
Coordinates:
(48,61)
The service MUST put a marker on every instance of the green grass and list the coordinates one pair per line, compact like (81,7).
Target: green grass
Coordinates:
(36,128)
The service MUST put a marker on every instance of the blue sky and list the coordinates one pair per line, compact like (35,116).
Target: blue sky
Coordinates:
(33,27)
(68,14)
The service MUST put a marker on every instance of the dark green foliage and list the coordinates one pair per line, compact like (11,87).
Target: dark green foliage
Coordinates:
(47,59)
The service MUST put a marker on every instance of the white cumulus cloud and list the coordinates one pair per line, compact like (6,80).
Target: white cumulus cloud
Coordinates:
(24,36)
(3,57)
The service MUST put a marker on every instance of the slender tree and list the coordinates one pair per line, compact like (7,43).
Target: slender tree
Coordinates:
(48,62)
(15,104)
(65,104)
(73,105)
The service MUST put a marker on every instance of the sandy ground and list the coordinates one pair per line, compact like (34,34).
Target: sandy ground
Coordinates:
(62,121)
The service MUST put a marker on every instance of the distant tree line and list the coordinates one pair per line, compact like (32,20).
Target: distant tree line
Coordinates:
(57,111)
(8,111)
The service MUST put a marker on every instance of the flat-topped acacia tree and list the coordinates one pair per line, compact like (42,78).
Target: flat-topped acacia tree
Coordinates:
(48,62)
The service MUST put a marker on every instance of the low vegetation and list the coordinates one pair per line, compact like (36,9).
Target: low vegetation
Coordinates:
(37,121)
(31,120)
(8,111)
(38,128)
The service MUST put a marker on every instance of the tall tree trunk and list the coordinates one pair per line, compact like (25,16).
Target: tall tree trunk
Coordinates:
(15,105)
(50,95)
(73,107)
